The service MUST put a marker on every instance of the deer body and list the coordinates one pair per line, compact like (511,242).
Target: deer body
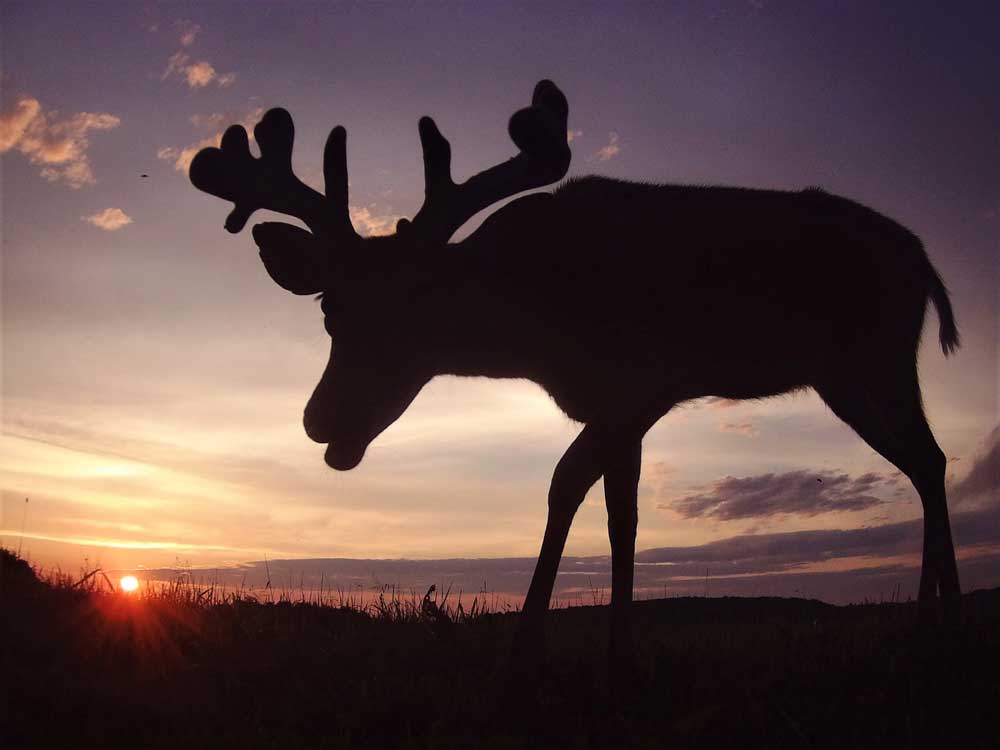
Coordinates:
(620,299)
(583,292)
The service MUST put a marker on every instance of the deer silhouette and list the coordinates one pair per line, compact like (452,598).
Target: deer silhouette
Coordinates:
(620,299)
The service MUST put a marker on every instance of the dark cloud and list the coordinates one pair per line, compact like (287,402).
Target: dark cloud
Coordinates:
(808,493)
(773,553)
(747,565)
(983,478)
(878,583)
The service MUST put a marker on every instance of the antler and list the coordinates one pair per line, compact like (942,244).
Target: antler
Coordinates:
(539,132)
(232,173)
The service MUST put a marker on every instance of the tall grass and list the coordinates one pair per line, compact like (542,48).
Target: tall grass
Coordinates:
(383,602)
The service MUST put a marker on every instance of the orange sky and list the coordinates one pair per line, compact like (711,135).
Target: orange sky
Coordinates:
(154,377)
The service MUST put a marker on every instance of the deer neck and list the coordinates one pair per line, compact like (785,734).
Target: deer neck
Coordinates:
(483,324)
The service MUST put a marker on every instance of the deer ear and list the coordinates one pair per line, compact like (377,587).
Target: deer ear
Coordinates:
(293,257)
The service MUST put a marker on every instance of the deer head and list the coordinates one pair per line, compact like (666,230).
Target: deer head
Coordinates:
(370,287)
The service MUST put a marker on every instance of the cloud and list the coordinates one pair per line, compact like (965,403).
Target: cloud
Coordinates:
(775,553)
(610,150)
(983,479)
(370,224)
(213,120)
(110,219)
(14,121)
(740,428)
(199,74)
(181,156)
(660,470)
(58,145)
(196,74)
(803,492)
(175,64)
(572,135)
(188,32)
(874,561)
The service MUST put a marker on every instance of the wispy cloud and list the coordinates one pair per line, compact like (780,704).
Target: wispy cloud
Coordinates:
(59,146)
(110,219)
(807,493)
(610,150)
(188,32)
(196,74)
(14,121)
(372,224)
(199,74)
(572,135)
(983,479)
(181,156)
(213,120)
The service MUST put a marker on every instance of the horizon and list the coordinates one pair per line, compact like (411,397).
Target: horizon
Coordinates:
(154,378)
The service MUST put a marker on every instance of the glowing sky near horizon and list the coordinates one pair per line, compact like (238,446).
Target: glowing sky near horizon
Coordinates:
(154,377)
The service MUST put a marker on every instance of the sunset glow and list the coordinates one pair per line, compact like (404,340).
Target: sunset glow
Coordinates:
(154,378)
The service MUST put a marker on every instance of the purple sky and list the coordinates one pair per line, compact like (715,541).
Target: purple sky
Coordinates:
(154,377)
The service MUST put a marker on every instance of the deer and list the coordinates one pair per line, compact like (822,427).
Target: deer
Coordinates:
(620,299)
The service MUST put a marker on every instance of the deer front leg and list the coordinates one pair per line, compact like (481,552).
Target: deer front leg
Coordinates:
(575,474)
(621,485)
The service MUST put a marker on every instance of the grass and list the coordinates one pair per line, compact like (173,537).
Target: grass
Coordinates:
(184,665)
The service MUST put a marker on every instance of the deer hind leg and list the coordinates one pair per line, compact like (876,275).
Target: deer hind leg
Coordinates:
(621,484)
(888,414)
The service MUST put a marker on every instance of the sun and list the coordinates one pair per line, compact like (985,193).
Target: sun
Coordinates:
(129,583)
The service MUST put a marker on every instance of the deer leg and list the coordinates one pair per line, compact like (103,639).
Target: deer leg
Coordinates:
(621,484)
(575,474)
(900,405)
(889,416)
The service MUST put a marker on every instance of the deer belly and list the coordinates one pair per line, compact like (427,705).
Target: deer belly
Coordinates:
(663,373)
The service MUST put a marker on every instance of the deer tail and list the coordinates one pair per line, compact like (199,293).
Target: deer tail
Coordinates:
(939,296)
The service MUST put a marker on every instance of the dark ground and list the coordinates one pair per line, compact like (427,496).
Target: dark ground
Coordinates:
(184,669)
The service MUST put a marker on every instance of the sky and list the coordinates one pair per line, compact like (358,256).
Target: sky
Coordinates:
(153,377)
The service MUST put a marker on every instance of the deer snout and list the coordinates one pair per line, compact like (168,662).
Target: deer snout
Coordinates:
(318,430)
(342,453)
(344,456)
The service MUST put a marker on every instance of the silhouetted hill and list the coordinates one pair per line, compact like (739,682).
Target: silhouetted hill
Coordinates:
(187,666)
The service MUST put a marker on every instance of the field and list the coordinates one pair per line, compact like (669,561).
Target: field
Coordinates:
(189,667)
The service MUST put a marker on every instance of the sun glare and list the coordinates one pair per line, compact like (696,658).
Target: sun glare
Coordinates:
(129,583)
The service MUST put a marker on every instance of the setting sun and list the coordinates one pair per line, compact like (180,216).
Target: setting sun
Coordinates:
(129,583)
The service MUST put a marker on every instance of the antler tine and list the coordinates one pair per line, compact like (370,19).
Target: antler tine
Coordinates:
(335,177)
(232,173)
(539,132)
